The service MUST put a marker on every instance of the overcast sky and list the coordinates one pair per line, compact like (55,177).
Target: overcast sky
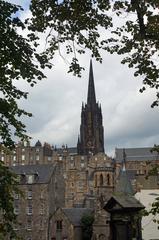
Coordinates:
(55,102)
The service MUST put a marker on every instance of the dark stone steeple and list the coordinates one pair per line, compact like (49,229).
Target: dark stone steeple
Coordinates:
(91,139)
(91,97)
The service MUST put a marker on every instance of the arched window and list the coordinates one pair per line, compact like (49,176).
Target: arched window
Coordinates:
(101,180)
(108,179)
(95,181)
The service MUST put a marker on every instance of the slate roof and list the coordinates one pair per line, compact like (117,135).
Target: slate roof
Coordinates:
(125,202)
(124,184)
(136,154)
(131,173)
(43,172)
(75,214)
(128,202)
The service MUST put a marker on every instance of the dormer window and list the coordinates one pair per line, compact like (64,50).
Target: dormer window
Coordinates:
(22,177)
(30,179)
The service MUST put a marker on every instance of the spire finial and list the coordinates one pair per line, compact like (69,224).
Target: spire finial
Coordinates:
(91,97)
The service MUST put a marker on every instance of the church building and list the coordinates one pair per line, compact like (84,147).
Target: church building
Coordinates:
(91,139)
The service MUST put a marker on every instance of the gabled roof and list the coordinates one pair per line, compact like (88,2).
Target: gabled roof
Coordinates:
(43,172)
(136,154)
(75,214)
(121,202)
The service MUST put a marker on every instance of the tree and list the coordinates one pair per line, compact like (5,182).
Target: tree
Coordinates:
(138,39)
(87,226)
(17,62)
(8,187)
(77,24)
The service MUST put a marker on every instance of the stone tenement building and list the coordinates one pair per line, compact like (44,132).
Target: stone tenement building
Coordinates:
(43,191)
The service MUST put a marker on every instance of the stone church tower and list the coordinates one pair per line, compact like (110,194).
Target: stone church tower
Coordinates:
(91,139)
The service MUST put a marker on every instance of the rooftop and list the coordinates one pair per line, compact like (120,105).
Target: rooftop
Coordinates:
(43,172)
(75,214)
(136,154)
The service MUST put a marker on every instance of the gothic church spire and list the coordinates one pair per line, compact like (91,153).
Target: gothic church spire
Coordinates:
(91,97)
(91,138)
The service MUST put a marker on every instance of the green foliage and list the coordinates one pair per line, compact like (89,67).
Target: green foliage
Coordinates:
(17,62)
(78,25)
(137,39)
(87,228)
(73,25)
(8,187)
(154,211)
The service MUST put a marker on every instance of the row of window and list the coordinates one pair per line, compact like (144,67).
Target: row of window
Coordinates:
(29,195)
(29,210)
(23,158)
(72,164)
(29,225)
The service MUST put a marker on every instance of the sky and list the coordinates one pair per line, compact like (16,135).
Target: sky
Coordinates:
(55,102)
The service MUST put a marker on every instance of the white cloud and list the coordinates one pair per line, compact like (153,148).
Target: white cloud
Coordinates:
(127,117)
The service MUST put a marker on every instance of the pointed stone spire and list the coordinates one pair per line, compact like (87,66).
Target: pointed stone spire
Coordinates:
(91,97)
(124,185)
(91,130)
